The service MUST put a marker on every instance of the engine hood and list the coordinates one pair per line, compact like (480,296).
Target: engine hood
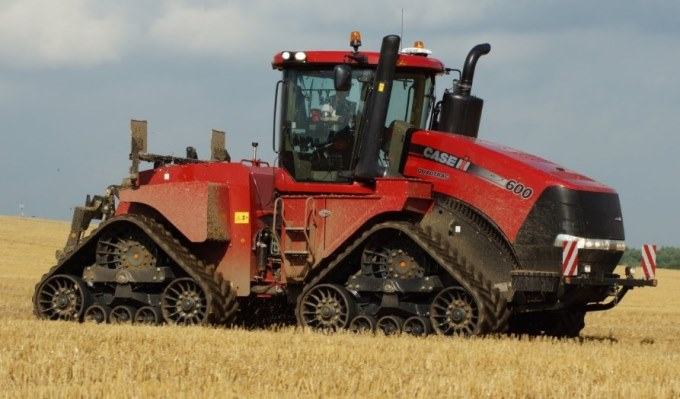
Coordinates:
(500,158)
(564,176)
(500,182)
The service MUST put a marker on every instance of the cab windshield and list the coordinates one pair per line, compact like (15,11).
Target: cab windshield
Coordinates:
(319,124)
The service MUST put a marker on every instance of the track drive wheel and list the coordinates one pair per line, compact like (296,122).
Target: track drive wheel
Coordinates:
(363,324)
(327,308)
(61,297)
(455,311)
(97,314)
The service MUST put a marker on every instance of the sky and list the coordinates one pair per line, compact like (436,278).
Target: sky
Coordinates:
(592,85)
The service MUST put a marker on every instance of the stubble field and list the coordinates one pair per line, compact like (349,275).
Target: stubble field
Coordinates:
(631,351)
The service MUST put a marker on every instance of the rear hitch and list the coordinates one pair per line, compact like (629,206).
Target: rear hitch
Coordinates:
(99,207)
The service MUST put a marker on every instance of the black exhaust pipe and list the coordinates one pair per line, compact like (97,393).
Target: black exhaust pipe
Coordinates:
(376,111)
(461,112)
(465,84)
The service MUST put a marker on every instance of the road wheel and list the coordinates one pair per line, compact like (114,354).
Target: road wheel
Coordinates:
(97,314)
(390,325)
(417,326)
(149,315)
(363,324)
(122,314)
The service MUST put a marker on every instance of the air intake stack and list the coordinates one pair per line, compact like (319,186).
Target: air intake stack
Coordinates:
(376,111)
(461,112)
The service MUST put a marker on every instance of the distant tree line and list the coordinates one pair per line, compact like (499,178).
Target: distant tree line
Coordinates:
(668,257)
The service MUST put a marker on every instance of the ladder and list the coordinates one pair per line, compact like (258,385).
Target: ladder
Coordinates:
(294,242)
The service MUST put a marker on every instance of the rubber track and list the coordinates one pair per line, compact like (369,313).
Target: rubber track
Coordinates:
(454,206)
(504,311)
(494,313)
(219,292)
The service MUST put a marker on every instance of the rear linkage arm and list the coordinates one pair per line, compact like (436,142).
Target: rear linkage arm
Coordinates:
(99,207)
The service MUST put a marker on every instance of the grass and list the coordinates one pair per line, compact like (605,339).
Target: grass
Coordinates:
(630,351)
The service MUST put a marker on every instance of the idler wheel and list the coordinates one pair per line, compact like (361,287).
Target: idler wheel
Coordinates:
(454,311)
(61,297)
(327,307)
(184,302)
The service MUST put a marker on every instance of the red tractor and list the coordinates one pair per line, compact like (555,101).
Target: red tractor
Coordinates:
(385,212)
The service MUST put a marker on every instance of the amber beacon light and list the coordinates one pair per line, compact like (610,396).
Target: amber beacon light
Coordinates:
(355,40)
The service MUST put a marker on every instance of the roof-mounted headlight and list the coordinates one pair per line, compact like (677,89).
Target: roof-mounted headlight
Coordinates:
(293,56)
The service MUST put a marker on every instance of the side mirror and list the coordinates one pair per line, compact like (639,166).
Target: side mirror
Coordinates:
(343,77)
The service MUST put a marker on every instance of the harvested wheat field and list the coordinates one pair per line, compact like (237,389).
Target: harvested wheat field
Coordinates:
(631,351)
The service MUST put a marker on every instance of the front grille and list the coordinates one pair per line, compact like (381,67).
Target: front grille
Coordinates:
(579,213)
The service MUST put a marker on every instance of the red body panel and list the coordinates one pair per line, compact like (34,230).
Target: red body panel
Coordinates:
(200,198)
(342,57)
(491,193)
(205,219)
(221,206)
(332,218)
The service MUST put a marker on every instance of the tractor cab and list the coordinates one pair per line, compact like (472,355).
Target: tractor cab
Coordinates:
(319,123)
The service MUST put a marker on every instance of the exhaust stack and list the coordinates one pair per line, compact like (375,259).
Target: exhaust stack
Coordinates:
(461,112)
(376,111)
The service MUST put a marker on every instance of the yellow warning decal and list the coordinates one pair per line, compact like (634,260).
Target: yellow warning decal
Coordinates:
(241,217)
(381,87)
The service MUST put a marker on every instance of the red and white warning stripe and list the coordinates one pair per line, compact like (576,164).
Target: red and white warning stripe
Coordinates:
(569,258)
(648,262)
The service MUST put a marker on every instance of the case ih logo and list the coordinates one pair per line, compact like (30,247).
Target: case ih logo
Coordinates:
(445,158)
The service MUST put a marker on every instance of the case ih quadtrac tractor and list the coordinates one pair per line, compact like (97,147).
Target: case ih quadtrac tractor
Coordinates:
(384,212)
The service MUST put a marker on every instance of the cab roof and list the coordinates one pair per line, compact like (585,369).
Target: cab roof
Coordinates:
(328,58)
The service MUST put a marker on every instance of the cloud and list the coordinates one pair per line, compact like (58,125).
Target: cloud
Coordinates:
(588,84)
(75,33)
(258,28)
(5,90)
(47,33)
(217,31)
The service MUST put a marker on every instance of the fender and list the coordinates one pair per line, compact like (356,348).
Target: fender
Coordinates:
(197,209)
